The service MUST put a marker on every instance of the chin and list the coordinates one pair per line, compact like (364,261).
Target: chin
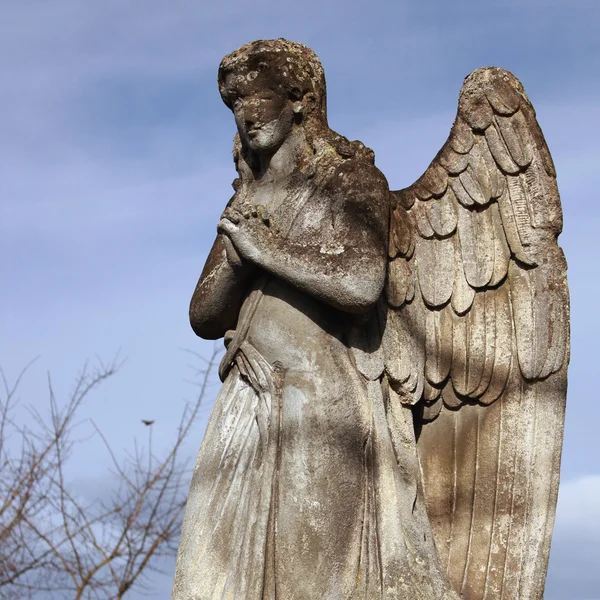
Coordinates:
(258,145)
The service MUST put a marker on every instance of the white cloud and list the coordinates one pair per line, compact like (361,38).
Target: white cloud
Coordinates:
(573,572)
(578,513)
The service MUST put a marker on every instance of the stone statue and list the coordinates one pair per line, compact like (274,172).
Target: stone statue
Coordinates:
(391,417)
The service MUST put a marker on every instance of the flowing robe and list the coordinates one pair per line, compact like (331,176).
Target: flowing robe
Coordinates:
(307,484)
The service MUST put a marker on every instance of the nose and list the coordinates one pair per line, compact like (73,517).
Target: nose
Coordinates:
(251,114)
(246,116)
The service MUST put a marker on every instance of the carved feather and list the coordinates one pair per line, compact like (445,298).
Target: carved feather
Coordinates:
(401,236)
(522,285)
(477,178)
(519,203)
(454,162)
(438,333)
(474,107)
(451,400)
(489,352)
(434,180)
(499,150)
(434,261)
(404,198)
(511,228)
(555,324)
(461,136)
(502,96)
(424,227)
(430,394)
(560,330)
(487,166)
(476,339)
(414,314)
(399,283)
(465,465)
(479,192)
(503,346)
(501,250)
(476,234)
(461,193)
(462,293)
(432,409)
(460,355)
(537,195)
(442,214)
(404,349)
(514,133)
(421,191)
(539,140)
(397,345)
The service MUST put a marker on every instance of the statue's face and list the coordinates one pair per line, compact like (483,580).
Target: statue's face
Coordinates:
(264,119)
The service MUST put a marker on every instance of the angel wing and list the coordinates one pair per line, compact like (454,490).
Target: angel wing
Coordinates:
(477,338)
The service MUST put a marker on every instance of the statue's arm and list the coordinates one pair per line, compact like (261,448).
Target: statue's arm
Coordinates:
(348,271)
(219,293)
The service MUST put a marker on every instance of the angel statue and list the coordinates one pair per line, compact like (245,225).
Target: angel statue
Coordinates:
(391,417)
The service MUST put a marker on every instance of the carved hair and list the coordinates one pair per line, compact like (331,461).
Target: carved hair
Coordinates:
(289,67)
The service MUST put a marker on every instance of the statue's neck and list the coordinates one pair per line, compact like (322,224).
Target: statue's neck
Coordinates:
(284,161)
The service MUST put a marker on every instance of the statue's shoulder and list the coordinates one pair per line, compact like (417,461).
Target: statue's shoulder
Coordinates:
(348,167)
(355,180)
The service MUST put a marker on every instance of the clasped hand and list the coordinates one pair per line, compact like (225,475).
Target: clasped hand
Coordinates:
(246,227)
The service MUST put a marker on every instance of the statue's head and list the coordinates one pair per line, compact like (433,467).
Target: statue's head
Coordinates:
(270,85)
(273,86)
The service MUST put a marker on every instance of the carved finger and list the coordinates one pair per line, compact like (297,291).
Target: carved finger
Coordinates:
(232,256)
(227,227)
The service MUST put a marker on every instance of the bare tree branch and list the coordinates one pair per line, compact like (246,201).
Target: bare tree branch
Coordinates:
(53,544)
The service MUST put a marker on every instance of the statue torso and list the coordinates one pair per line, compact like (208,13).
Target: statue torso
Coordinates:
(282,322)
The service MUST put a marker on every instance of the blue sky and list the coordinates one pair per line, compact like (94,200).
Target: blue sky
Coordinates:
(115,163)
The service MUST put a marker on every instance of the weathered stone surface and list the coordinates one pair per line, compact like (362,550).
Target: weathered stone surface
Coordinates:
(390,421)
